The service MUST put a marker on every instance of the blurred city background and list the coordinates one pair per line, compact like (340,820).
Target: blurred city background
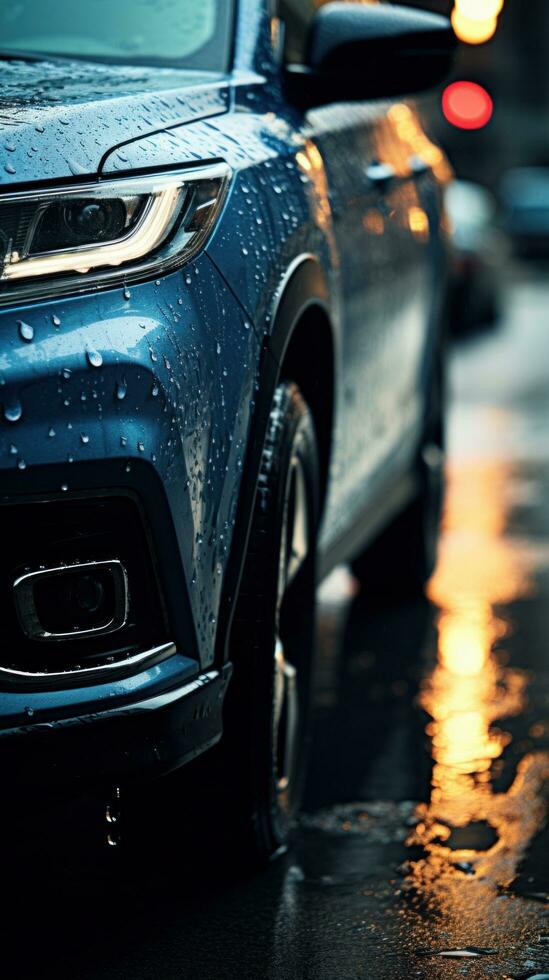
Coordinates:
(491,121)
(505,50)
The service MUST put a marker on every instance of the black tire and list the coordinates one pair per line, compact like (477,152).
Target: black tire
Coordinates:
(267,705)
(402,559)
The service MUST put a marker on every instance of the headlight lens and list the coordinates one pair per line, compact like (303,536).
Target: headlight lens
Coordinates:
(84,221)
(71,239)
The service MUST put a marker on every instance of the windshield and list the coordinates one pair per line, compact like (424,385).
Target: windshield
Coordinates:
(187,33)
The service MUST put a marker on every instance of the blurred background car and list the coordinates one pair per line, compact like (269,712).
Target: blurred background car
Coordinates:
(477,251)
(524,195)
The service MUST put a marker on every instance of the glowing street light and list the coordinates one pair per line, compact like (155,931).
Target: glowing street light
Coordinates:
(476,21)
(479,9)
(471,30)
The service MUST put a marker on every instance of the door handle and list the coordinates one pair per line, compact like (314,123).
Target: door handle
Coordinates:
(381,175)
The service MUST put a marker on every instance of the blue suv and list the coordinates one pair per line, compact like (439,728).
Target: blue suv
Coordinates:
(221,373)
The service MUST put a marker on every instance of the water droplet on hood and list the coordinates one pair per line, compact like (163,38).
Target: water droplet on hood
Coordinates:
(9,168)
(13,411)
(56,321)
(121,389)
(84,438)
(26,332)
(94,358)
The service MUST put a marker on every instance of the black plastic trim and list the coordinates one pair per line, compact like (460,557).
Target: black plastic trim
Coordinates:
(142,484)
(147,738)
(303,286)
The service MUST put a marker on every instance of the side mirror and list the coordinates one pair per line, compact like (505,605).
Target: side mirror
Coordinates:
(357,51)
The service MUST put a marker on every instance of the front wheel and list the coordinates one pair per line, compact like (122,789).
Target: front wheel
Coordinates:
(273,633)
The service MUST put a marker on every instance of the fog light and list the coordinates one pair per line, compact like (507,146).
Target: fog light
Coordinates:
(72,601)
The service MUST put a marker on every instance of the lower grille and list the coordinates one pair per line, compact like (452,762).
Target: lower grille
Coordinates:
(62,562)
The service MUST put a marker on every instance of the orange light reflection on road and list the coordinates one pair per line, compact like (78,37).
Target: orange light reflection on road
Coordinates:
(470,690)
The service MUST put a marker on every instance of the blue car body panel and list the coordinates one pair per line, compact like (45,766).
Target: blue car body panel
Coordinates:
(154,390)
(160,394)
(61,118)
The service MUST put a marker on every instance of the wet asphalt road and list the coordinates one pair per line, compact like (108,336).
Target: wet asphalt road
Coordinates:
(424,825)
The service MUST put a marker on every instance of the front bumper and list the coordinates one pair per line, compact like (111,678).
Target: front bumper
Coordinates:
(149,398)
(140,738)
(146,393)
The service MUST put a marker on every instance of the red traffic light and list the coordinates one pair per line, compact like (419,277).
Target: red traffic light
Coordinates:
(467,105)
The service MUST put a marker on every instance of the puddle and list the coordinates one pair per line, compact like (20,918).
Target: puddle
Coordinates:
(476,836)
(469,890)
(472,695)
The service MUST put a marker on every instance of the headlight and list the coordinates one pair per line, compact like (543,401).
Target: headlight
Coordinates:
(70,239)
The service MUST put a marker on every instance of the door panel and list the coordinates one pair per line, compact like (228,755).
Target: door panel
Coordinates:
(381,234)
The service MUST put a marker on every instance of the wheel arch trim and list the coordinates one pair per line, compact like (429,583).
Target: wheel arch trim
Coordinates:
(303,286)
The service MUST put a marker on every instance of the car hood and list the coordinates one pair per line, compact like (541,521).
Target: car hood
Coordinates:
(59,119)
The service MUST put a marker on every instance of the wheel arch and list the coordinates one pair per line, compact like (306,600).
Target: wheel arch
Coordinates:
(302,341)
(309,361)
